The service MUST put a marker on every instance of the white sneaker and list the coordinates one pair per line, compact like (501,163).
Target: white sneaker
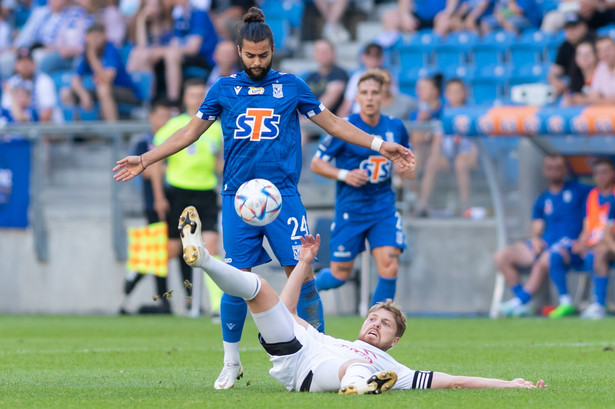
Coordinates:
(514,308)
(190,234)
(376,384)
(594,312)
(231,372)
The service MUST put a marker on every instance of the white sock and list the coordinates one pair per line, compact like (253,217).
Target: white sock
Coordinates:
(231,280)
(231,352)
(565,300)
(357,375)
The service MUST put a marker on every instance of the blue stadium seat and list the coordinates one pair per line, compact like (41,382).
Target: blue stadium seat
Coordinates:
(415,50)
(280,27)
(489,84)
(462,72)
(289,10)
(143,80)
(491,50)
(62,79)
(449,55)
(529,74)
(531,48)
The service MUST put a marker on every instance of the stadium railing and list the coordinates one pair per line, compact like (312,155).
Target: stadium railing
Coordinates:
(114,133)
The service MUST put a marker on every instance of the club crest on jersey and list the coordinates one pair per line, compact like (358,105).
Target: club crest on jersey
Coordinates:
(277,91)
(378,168)
(256,91)
(257,124)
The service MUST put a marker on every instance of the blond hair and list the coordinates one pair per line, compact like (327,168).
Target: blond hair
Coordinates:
(400,318)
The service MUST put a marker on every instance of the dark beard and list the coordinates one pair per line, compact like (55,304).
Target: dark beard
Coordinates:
(252,76)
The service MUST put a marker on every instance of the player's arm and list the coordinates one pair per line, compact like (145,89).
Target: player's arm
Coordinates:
(445,381)
(354,177)
(131,166)
(537,229)
(292,289)
(344,130)
(579,245)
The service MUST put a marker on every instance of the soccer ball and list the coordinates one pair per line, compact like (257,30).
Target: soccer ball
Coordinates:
(258,202)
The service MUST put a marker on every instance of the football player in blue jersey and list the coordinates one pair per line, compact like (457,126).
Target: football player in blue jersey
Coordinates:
(557,220)
(259,108)
(365,204)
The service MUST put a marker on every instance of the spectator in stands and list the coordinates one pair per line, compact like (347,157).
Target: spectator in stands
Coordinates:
(413,15)
(371,57)
(5,34)
(112,83)
(564,66)
(512,15)
(591,251)
(328,82)
(21,109)
(42,28)
(192,44)
(603,83)
(107,13)
(227,61)
(557,220)
(394,103)
(160,113)
(190,178)
(333,11)
(226,15)
(458,150)
(462,15)
(42,90)
(427,145)
(581,79)
(597,13)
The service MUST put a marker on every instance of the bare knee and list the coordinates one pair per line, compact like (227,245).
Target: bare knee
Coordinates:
(341,271)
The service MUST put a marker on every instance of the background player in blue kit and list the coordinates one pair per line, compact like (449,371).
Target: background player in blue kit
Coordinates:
(258,108)
(365,205)
(557,220)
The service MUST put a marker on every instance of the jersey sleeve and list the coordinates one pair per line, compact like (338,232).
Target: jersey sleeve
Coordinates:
(410,379)
(538,209)
(329,148)
(308,105)
(210,108)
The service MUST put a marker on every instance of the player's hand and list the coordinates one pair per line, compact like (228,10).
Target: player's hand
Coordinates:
(578,247)
(309,248)
(356,177)
(522,383)
(162,207)
(537,245)
(127,168)
(402,157)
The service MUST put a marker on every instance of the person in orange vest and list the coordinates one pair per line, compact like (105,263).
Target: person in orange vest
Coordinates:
(593,250)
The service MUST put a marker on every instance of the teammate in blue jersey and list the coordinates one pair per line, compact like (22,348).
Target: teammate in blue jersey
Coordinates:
(557,220)
(365,204)
(259,111)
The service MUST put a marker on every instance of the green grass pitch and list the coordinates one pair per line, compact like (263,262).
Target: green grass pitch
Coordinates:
(171,362)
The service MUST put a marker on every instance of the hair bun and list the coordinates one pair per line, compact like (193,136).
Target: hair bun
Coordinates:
(254,15)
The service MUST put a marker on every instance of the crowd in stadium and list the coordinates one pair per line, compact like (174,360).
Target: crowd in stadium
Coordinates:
(49,50)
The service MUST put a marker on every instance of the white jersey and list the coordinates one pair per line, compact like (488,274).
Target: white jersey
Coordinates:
(318,348)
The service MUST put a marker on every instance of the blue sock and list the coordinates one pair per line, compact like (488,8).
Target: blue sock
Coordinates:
(233,312)
(600,286)
(326,281)
(557,271)
(309,306)
(385,289)
(521,294)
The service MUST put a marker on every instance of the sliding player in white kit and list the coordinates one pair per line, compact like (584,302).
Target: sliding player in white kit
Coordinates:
(306,360)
